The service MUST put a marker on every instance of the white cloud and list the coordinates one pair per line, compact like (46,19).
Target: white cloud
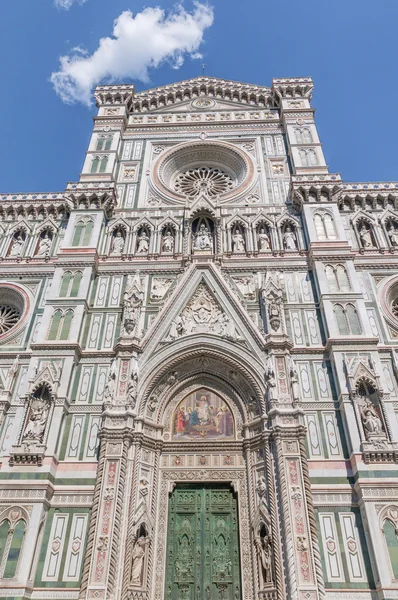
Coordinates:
(66,4)
(138,43)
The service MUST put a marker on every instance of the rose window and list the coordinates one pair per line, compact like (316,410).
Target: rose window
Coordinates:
(394,308)
(211,181)
(9,317)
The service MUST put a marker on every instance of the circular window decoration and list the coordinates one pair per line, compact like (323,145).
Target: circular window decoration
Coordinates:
(9,317)
(216,169)
(213,182)
(14,307)
(203,103)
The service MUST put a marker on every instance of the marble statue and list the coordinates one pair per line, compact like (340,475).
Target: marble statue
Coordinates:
(294,383)
(366,237)
(117,245)
(132,389)
(143,243)
(159,288)
(168,242)
(203,239)
(263,240)
(36,425)
(370,419)
(393,235)
(246,287)
(238,241)
(264,551)
(289,239)
(17,245)
(132,302)
(139,552)
(44,245)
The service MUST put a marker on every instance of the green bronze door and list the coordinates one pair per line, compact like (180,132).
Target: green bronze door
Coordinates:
(202,560)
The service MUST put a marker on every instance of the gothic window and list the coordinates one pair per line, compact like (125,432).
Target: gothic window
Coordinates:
(70,284)
(324,226)
(99,164)
(337,278)
(347,319)
(303,158)
(82,233)
(308,157)
(11,539)
(390,534)
(60,325)
(303,136)
(312,157)
(104,143)
(209,180)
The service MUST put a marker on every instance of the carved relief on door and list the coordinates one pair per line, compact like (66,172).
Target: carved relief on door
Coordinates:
(202,544)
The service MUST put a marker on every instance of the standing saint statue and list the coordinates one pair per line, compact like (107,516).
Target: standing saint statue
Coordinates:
(393,235)
(289,239)
(44,245)
(263,240)
(139,552)
(168,242)
(238,241)
(17,245)
(117,245)
(366,237)
(143,243)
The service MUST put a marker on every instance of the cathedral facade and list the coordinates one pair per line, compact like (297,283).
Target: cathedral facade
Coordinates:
(199,378)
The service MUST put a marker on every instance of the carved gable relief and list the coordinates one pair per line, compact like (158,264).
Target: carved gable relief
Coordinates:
(203,314)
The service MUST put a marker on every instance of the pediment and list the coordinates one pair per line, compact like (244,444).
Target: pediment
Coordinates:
(202,93)
(204,305)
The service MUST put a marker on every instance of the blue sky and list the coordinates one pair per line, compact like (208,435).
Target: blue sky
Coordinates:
(349,47)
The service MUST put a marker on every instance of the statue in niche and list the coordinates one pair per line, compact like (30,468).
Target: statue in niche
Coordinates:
(289,239)
(274,303)
(110,384)
(168,242)
(270,381)
(365,236)
(294,382)
(263,240)
(39,409)
(393,234)
(261,487)
(370,419)
(238,241)
(143,243)
(44,245)
(132,389)
(17,245)
(264,552)
(139,552)
(132,302)
(203,239)
(117,245)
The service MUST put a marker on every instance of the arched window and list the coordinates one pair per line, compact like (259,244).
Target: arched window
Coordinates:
(104,143)
(11,539)
(307,136)
(82,233)
(99,164)
(15,550)
(60,325)
(353,320)
(341,319)
(55,325)
(76,284)
(298,136)
(324,226)
(331,278)
(390,534)
(347,319)
(312,157)
(343,282)
(66,325)
(65,284)
(303,158)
